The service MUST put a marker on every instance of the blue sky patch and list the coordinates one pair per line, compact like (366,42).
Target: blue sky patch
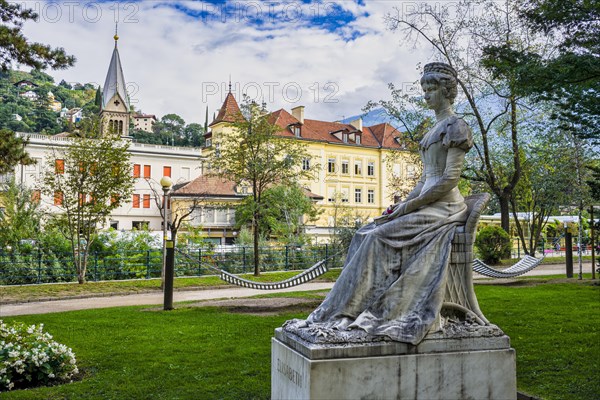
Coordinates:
(327,16)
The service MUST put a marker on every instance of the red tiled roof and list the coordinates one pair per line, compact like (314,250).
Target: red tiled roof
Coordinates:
(386,135)
(209,186)
(375,136)
(311,195)
(229,112)
(214,186)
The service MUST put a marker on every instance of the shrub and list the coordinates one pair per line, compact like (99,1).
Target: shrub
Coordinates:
(29,357)
(492,243)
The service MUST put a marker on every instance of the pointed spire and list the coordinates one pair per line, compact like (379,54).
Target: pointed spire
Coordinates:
(229,83)
(116,37)
(115,80)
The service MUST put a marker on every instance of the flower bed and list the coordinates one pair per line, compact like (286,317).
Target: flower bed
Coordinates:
(29,357)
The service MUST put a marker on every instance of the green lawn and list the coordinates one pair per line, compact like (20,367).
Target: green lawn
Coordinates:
(208,353)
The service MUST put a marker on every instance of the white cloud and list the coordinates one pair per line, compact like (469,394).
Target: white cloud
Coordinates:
(175,62)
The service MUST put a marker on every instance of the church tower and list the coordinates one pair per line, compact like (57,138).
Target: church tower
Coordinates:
(114,111)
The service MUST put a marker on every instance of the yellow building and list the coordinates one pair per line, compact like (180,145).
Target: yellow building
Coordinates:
(352,164)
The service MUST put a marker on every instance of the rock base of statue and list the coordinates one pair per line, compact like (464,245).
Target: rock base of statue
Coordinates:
(477,364)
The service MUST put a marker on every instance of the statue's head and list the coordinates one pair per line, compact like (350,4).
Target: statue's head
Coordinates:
(443,75)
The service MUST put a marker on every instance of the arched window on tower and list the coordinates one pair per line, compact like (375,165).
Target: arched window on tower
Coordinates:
(120,127)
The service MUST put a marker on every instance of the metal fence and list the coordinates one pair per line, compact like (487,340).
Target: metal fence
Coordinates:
(547,248)
(38,266)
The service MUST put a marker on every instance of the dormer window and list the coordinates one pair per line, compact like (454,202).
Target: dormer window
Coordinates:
(296,130)
(345,137)
(208,142)
(357,139)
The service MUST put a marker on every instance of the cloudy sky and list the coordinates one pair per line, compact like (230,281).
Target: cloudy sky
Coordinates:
(330,56)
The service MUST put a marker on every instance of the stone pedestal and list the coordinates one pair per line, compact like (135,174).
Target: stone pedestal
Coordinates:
(437,368)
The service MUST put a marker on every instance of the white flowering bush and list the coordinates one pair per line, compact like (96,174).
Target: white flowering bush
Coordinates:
(29,357)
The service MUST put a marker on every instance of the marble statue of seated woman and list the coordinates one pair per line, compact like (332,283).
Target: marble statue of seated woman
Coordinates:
(393,280)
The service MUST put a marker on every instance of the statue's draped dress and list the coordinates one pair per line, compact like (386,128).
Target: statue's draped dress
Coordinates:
(394,277)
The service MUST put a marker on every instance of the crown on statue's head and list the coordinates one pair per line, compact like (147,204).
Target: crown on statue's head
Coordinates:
(439,68)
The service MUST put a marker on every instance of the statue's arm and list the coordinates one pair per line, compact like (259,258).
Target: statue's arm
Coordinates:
(417,190)
(448,181)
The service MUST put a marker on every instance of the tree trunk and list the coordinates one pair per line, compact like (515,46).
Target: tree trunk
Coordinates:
(503,200)
(255,234)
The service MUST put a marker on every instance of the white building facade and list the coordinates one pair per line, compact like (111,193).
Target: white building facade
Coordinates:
(149,164)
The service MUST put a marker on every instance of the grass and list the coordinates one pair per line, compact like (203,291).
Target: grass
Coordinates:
(555,329)
(10,294)
(207,353)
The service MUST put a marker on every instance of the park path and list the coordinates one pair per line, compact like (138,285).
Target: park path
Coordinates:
(45,307)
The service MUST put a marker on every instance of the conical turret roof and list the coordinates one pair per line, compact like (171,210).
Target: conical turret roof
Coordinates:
(229,112)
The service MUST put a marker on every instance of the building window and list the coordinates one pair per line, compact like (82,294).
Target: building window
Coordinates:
(344,166)
(358,195)
(358,168)
(59,166)
(371,168)
(185,173)
(218,150)
(146,201)
(306,164)
(345,137)
(137,170)
(58,198)
(136,201)
(114,225)
(344,195)
(371,196)
(296,130)
(410,171)
(140,225)
(147,171)
(357,139)
(331,195)
(331,165)
(208,142)
(167,171)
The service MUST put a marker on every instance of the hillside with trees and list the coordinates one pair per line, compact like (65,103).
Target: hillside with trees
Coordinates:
(26,99)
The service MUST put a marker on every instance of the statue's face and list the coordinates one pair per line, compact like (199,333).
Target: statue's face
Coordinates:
(434,96)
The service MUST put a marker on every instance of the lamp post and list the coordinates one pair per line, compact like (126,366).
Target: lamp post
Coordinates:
(568,250)
(166,184)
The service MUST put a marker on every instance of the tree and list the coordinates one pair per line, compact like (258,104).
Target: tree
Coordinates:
(284,213)
(12,148)
(169,129)
(176,217)
(192,135)
(408,111)
(569,76)
(14,46)
(547,182)
(345,221)
(491,99)
(21,217)
(252,152)
(88,180)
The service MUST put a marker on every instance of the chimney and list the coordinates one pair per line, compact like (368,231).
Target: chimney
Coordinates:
(298,113)
(357,123)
